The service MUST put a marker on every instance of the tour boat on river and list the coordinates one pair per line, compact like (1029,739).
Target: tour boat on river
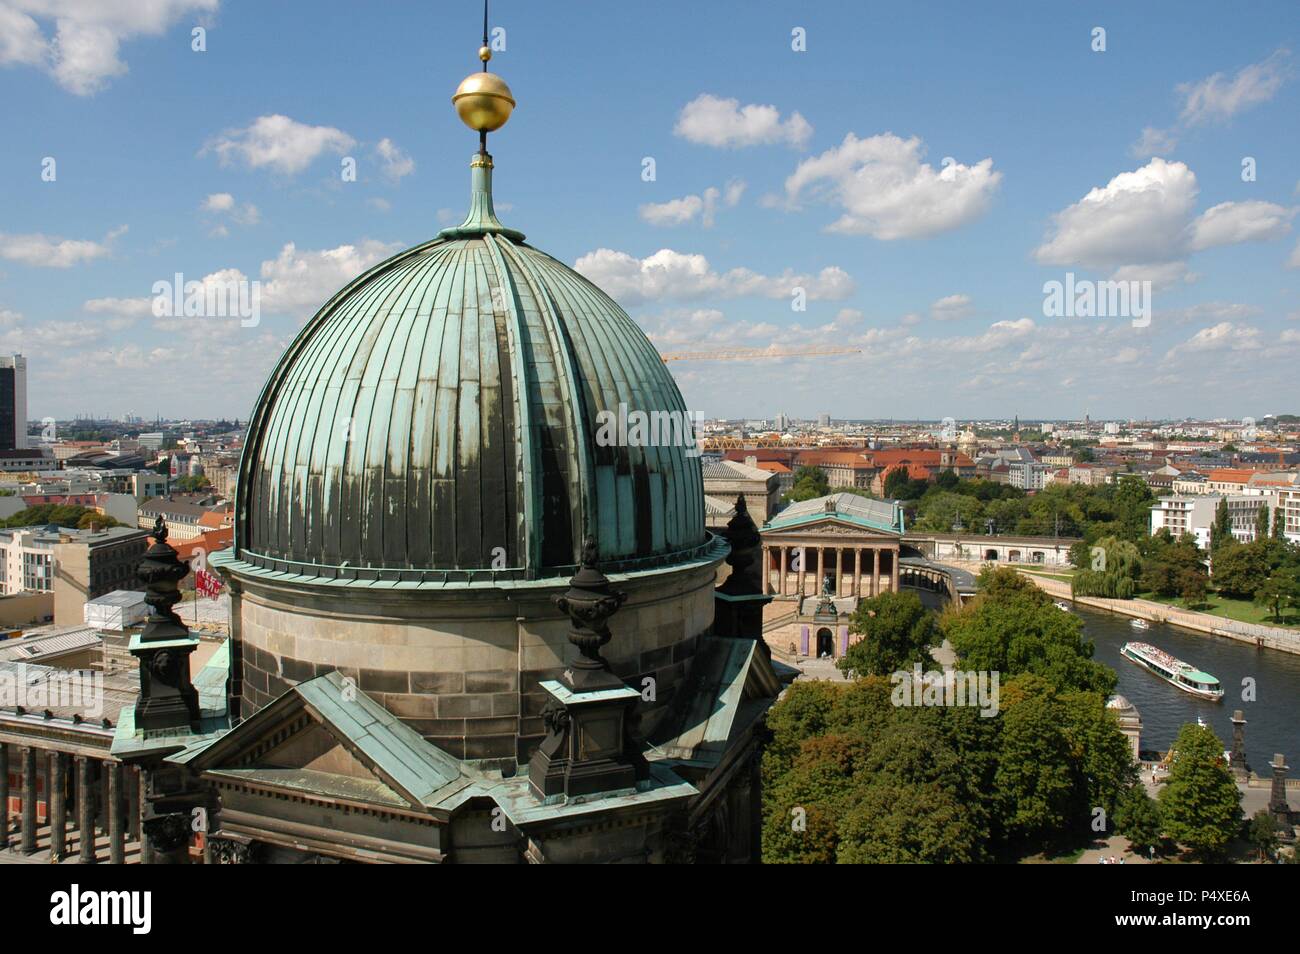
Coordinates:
(1174,671)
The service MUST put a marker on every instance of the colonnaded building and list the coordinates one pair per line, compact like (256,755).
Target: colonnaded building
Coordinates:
(463,629)
(821,557)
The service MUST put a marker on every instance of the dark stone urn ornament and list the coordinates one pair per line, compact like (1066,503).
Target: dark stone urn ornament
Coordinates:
(589,603)
(168,699)
(738,602)
(592,745)
(161,572)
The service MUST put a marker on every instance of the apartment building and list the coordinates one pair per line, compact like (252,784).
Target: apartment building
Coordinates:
(1195,514)
(75,565)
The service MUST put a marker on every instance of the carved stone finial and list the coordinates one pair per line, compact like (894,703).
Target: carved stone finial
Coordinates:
(589,603)
(161,571)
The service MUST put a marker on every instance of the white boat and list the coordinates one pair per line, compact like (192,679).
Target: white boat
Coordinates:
(1062,605)
(1173,671)
(1139,624)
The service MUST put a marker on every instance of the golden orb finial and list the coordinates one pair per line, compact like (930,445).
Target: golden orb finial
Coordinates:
(485,53)
(483,101)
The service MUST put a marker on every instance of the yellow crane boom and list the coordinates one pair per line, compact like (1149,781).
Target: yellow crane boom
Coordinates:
(750,354)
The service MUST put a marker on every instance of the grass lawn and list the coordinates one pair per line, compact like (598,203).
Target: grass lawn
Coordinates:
(1241,610)
(1065,576)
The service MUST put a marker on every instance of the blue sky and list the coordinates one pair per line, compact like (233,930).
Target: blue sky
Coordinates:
(775,169)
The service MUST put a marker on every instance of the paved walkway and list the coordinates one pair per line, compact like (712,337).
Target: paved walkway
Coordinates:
(1116,846)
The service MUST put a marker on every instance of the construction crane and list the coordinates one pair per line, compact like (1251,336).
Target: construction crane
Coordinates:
(750,354)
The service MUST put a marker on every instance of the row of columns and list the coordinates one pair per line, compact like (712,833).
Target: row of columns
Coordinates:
(776,557)
(123,803)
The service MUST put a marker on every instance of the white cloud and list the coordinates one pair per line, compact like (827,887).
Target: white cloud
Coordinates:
(951,307)
(1225,336)
(673,212)
(1290,336)
(279,143)
(1142,223)
(1294,260)
(393,162)
(218,202)
(297,282)
(1154,142)
(1138,216)
(1216,99)
(223,204)
(1161,276)
(887,192)
(688,208)
(83,53)
(121,307)
(712,121)
(43,251)
(668,274)
(1229,223)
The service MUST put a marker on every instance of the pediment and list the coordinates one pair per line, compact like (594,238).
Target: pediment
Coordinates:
(831,527)
(318,739)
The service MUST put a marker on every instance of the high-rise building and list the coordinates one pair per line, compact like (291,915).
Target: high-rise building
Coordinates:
(13,402)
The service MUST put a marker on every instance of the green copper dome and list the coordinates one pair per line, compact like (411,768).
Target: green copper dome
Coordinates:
(438,420)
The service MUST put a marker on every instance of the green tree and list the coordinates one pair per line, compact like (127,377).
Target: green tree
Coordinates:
(802,807)
(891,823)
(1012,627)
(1279,523)
(1240,569)
(1137,818)
(62,515)
(1280,589)
(1100,753)
(901,486)
(1221,529)
(1262,833)
(941,510)
(896,631)
(1193,587)
(1262,522)
(1200,803)
(809,482)
(1167,563)
(1034,784)
(189,484)
(1120,568)
(1132,506)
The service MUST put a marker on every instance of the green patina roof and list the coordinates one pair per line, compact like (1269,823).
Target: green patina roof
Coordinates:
(885,516)
(732,683)
(440,413)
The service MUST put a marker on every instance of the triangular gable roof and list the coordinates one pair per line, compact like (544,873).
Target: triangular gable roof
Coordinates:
(731,684)
(382,744)
(884,516)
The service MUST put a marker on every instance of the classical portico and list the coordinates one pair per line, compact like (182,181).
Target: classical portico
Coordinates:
(842,542)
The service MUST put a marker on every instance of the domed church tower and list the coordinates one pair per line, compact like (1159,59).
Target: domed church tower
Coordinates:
(424,464)
(466,585)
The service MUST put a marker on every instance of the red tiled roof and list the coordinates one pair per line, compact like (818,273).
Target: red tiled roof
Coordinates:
(1235,475)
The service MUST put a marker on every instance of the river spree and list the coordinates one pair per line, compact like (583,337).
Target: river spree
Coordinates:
(1272,720)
